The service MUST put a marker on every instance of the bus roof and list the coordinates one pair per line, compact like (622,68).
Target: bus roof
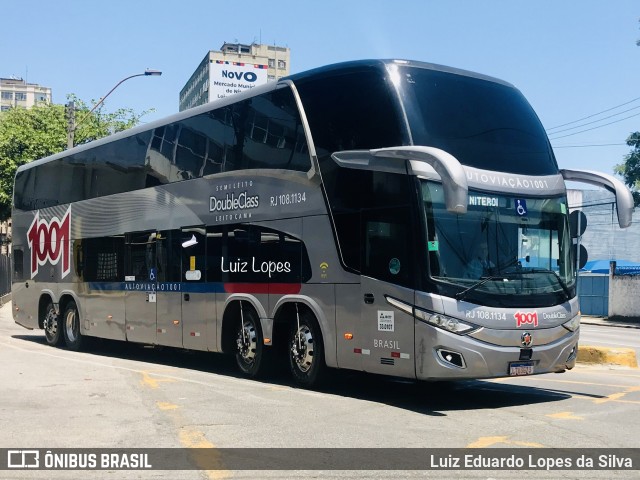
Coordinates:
(301,78)
(376,64)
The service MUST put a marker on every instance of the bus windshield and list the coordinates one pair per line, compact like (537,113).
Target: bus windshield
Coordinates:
(505,251)
(484,124)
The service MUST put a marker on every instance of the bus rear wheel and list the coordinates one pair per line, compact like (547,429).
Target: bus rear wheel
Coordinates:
(249,344)
(306,350)
(71,327)
(52,325)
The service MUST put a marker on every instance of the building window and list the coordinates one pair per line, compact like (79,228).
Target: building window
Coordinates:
(4,108)
(272,63)
(282,64)
(21,97)
(7,95)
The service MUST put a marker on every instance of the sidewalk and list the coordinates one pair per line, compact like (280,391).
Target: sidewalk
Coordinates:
(620,322)
(609,355)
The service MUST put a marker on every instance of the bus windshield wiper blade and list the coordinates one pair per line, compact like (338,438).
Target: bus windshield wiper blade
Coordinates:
(461,295)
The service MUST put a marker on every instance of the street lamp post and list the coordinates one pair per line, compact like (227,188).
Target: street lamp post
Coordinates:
(72,125)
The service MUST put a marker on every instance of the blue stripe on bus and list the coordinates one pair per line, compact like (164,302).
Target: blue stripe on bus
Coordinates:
(199,287)
(214,287)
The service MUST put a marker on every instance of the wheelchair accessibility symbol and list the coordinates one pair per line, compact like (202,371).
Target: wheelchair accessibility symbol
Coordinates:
(152,275)
(521,207)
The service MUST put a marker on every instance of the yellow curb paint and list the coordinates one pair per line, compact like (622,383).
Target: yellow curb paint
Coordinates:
(625,357)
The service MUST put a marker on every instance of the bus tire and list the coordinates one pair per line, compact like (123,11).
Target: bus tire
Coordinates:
(71,327)
(306,350)
(249,344)
(52,325)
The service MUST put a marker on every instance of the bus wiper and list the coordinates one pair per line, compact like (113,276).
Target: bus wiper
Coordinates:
(461,295)
(566,290)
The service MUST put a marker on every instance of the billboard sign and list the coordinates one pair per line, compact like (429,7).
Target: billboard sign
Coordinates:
(227,78)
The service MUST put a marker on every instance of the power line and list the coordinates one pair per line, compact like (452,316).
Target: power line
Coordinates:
(594,128)
(590,145)
(595,121)
(594,114)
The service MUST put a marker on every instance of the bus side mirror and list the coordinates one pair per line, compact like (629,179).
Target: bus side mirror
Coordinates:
(624,198)
(451,171)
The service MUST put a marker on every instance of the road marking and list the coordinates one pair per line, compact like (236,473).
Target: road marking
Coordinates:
(486,442)
(149,381)
(615,397)
(565,416)
(167,406)
(196,440)
(575,382)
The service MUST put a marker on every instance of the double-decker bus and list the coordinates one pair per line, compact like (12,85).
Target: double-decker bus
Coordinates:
(326,220)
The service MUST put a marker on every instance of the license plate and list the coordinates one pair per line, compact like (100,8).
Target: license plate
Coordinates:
(517,369)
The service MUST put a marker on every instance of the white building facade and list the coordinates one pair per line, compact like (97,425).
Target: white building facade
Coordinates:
(16,92)
(234,68)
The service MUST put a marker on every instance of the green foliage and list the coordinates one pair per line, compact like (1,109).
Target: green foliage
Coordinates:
(40,131)
(630,169)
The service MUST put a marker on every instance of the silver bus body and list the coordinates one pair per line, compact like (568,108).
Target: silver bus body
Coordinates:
(270,246)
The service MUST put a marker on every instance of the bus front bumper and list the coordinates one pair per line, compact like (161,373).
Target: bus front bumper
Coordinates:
(441,355)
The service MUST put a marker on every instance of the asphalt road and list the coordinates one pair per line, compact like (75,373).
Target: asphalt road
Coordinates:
(128,396)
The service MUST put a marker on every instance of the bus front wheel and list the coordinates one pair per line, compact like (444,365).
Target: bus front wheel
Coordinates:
(306,350)
(52,325)
(71,327)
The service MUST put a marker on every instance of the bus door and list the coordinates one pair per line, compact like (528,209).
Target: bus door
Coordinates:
(198,310)
(387,297)
(169,324)
(140,287)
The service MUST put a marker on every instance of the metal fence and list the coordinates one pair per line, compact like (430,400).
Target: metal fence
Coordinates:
(5,274)
(593,293)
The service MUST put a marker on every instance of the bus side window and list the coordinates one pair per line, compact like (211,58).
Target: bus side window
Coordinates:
(191,151)
(386,247)
(102,259)
(268,134)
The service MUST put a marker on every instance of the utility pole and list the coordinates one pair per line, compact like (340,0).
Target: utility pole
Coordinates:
(70,114)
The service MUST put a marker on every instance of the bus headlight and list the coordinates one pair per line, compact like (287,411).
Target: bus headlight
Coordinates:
(573,324)
(445,322)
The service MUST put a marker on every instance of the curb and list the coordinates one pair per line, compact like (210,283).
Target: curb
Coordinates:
(625,357)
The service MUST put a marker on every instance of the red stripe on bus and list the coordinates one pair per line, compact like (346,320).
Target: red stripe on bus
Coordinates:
(274,288)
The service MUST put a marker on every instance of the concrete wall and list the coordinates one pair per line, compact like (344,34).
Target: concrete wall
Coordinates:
(624,298)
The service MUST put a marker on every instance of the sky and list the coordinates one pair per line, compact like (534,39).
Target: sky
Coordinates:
(572,59)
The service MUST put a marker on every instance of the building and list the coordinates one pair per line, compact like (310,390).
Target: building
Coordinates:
(603,238)
(233,69)
(16,92)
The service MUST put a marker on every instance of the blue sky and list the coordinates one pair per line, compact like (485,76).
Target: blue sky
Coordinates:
(571,58)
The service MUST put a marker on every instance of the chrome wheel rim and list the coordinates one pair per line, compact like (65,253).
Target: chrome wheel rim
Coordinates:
(302,349)
(50,323)
(70,326)
(247,343)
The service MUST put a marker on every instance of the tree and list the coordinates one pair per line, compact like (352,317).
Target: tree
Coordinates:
(630,169)
(40,131)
